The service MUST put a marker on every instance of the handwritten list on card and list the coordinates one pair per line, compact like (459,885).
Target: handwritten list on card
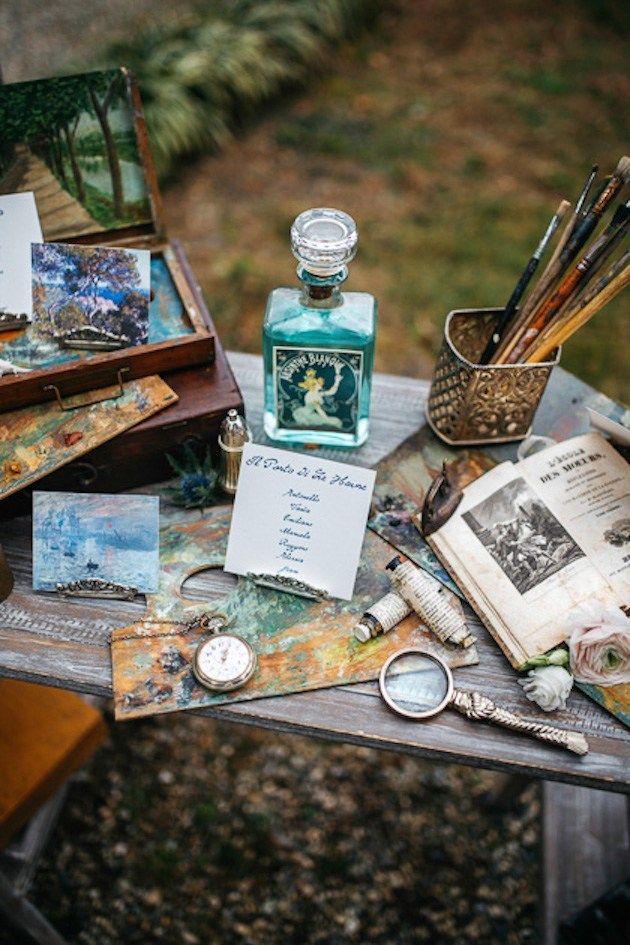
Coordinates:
(299,517)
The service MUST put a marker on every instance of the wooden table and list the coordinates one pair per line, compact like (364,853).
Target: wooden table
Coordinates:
(66,644)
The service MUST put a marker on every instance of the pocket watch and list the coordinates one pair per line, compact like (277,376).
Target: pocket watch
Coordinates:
(225,661)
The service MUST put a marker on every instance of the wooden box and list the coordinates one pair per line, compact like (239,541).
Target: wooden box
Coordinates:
(138,456)
(80,144)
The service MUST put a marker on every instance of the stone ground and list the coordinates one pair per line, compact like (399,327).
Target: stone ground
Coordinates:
(462,123)
(189,831)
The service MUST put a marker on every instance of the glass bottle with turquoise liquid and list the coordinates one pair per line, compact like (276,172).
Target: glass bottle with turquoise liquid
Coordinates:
(318,342)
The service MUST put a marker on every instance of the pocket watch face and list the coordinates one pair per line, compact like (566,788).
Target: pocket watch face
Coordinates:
(224,662)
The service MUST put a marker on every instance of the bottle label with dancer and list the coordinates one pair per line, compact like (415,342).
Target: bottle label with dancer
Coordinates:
(317,389)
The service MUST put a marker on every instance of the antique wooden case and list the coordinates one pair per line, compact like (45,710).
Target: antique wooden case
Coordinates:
(139,455)
(79,143)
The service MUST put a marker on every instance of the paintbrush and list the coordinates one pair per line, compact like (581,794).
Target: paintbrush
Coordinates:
(591,218)
(596,287)
(600,250)
(572,223)
(613,288)
(575,216)
(575,306)
(543,286)
(523,282)
(587,186)
(575,239)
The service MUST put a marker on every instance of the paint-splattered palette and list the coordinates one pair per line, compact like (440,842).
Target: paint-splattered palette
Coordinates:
(402,482)
(300,644)
(34,441)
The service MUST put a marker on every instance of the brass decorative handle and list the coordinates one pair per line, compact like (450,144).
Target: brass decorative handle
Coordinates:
(94,400)
(475,706)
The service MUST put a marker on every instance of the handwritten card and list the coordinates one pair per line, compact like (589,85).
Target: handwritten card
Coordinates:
(299,517)
(19,227)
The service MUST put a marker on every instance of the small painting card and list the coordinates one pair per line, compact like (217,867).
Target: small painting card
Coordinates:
(19,227)
(94,293)
(111,537)
(299,517)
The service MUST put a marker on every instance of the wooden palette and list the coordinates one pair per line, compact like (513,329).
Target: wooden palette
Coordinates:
(300,644)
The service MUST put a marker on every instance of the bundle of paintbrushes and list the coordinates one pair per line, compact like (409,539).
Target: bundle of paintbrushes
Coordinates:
(575,283)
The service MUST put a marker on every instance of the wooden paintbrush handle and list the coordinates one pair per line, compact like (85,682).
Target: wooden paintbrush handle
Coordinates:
(597,252)
(544,316)
(614,287)
(597,286)
(575,305)
(577,237)
(503,326)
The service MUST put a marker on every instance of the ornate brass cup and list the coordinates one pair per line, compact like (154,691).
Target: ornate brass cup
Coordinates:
(482,403)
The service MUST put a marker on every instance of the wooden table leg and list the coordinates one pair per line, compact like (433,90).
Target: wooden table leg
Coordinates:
(26,917)
(585,850)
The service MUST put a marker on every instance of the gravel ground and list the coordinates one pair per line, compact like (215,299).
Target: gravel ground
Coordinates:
(189,831)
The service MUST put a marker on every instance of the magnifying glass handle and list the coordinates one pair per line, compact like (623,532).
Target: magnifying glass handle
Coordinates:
(475,706)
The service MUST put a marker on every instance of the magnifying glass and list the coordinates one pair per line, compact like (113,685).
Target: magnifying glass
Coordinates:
(419,685)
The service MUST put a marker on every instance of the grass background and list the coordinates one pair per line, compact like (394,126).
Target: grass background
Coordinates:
(450,129)
(450,132)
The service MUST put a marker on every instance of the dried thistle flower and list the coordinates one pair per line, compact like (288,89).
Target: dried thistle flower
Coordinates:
(196,488)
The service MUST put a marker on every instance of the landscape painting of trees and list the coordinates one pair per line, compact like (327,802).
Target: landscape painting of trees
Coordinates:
(102,289)
(71,140)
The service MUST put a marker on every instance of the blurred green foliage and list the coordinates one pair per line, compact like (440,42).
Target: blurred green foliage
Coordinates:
(202,75)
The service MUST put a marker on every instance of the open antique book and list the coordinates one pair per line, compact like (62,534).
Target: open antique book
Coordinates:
(530,540)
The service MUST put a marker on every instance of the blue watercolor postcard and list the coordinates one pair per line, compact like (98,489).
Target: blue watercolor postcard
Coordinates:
(112,537)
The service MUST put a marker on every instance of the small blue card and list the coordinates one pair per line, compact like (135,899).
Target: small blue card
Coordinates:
(110,537)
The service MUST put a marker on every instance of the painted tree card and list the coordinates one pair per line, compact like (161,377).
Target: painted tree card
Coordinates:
(93,294)
(110,537)
(300,519)
(19,227)
(79,144)
(74,141)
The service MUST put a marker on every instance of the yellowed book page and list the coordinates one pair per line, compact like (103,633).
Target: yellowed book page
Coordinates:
(483,607)
(586,484)
(520,558)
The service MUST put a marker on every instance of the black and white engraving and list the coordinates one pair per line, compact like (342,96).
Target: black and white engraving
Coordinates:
(619,533)
(522,535)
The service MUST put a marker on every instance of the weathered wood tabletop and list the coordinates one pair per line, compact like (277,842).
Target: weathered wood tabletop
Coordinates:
(61,643)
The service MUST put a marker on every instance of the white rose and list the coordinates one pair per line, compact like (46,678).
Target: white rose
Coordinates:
(549,686)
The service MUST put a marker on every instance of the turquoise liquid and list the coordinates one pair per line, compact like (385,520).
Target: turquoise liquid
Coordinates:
(318,360)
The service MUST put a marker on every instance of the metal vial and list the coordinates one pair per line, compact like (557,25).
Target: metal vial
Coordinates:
(234,433)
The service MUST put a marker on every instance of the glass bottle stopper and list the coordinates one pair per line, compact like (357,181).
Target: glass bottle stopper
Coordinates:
(323,240)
